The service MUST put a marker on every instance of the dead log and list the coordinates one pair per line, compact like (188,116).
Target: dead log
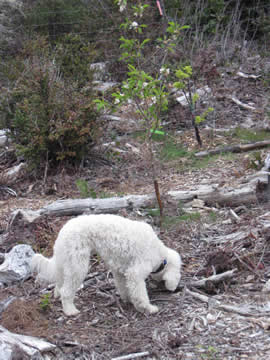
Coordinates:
(234,148)
(73,207)
(213,195)
(249,192)
(21,346)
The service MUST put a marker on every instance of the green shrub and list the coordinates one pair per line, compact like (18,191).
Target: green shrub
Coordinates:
(48,118)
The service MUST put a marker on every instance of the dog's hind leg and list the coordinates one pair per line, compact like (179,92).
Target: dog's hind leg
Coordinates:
(56,292)
(73,278)
(59,282)
(120,283)
(137,291)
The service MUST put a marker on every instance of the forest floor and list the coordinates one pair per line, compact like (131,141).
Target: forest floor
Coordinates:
(186,327)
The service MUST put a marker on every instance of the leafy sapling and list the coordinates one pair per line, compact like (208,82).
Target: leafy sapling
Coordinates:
(184,76)
(147,91)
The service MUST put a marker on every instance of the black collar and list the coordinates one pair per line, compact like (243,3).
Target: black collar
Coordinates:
(161,267)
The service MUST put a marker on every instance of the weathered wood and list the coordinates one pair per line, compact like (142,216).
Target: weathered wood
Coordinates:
(234,148)
(28,347)
(211,195)
(243,105)
(214,279)
(132,356)
(244,310)
(72,207)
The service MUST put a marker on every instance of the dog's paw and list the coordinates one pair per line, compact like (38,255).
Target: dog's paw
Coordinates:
(71,310)
(152,309)
(72,313)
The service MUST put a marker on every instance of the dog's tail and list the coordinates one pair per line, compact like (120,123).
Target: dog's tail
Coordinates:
(44,267)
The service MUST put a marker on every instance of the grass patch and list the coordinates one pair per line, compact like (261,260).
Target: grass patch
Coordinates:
(201,163)
(190,216)
(250,135)
(87,192)
(212,216)
(153,212)
(171,150)
(169,221)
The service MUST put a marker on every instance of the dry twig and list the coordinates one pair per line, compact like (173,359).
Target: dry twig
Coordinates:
(132,356)
(243,310)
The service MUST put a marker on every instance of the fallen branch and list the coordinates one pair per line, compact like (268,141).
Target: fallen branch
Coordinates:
(214,279)
(247,76)
(234,215)
(244,106)
(229,238)
(132,356)
(234,148)
(244,310)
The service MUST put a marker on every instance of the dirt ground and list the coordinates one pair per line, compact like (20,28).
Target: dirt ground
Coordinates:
(186,327)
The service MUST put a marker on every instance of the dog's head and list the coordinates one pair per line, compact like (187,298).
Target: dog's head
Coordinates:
(170,274)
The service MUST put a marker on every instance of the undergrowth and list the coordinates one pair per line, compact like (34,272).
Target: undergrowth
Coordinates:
(247,135)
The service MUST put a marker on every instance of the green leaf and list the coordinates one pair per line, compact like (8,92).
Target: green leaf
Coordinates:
(198,119)
(179,85)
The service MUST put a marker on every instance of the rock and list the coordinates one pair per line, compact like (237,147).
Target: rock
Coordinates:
(12,174)
(3,137)
(102,87)
(16,266)
(202,92)
(100,70)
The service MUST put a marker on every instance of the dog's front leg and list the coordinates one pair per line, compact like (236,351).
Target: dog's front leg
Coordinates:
(120,283)
(137,291)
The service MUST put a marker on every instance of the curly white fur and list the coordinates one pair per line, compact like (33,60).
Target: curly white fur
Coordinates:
(130,249)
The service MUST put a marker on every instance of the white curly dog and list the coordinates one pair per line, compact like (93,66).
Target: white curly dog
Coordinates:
(130,249)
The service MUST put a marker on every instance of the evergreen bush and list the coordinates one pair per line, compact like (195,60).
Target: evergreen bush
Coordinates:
(49,119)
